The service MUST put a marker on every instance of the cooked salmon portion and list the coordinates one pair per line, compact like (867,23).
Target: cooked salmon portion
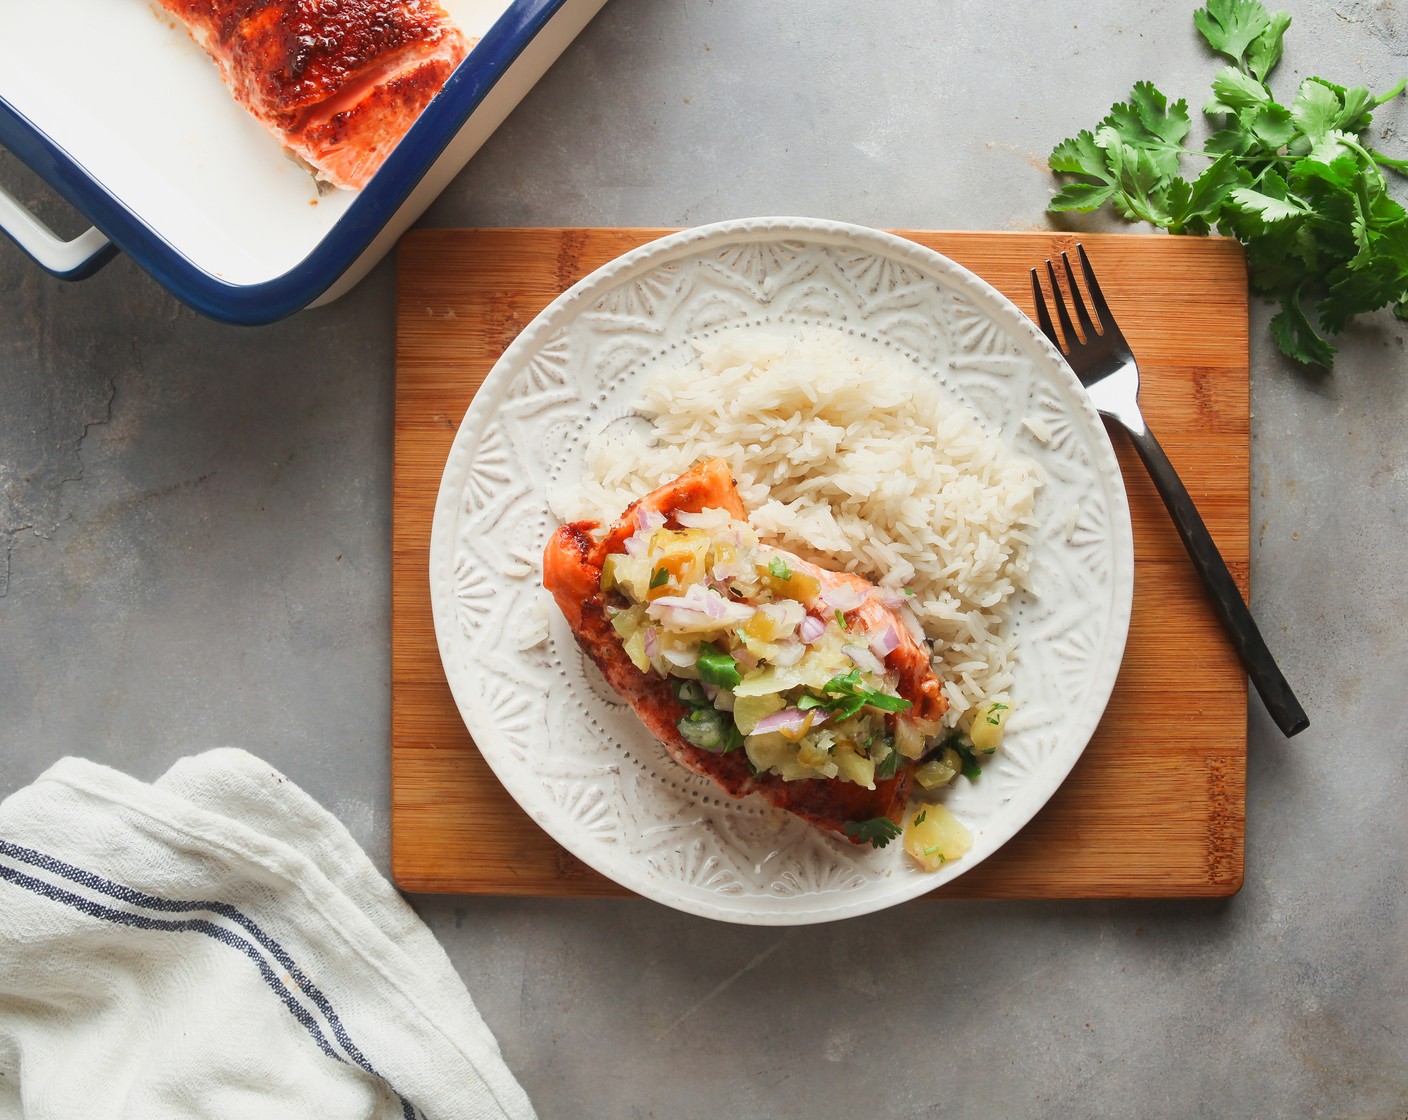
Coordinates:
(339,82)
(754,668)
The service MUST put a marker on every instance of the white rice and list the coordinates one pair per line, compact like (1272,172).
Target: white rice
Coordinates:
(856,462)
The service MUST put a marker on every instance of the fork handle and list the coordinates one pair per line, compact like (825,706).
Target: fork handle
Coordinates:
(1261,667)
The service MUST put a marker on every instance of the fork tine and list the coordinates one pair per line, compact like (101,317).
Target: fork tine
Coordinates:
(1043,316)
(1097,297)
(1061,312)
(1087,325)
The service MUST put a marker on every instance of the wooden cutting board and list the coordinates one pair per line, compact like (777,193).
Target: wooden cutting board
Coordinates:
(1156,805)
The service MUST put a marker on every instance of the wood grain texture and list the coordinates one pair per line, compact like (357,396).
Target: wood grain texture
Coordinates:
(1156,805)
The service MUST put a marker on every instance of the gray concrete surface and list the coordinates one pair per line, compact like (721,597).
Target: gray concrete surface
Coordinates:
(194,551)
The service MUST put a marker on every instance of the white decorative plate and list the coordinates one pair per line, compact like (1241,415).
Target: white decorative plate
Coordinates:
(573,754)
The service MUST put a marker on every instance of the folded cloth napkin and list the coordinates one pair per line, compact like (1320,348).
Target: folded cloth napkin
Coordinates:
(216,945)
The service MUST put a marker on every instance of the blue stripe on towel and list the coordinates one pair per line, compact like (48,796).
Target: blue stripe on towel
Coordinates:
(126,894)
(224,909)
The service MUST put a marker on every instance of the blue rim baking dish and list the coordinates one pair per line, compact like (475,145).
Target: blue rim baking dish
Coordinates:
(172,172)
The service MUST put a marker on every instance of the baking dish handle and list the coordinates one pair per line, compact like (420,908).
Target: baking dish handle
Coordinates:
(68,260)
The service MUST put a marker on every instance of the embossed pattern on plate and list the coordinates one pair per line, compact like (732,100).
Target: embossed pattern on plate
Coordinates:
(573,754)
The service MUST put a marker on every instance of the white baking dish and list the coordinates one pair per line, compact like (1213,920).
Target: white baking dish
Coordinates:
(137,131)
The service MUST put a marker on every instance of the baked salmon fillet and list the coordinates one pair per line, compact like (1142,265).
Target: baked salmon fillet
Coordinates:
(754,668)
(339,82)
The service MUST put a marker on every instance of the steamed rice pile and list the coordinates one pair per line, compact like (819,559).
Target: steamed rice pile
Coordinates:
(854,462)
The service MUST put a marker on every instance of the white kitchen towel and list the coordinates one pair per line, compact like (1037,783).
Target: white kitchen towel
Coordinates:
(216,945)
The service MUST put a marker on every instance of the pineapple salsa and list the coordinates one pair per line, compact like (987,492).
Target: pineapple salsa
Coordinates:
(770,659)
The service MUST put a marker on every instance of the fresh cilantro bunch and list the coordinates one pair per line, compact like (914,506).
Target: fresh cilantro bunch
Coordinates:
(1296,184)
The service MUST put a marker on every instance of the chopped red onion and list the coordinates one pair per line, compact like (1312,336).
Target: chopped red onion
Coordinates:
(725,569)
(864,659)
(649,519)
(811,629)
(710,518)
(699,604)
(652,642)
(689,601)
(843,598)
(788,654)
(885,642)
(891,598)
(789,719)
(682,658)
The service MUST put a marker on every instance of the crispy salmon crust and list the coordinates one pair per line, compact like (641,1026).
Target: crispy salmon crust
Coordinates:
(339,82)
(572,569)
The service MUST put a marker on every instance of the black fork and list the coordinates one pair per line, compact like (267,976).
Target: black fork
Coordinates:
(1105,365)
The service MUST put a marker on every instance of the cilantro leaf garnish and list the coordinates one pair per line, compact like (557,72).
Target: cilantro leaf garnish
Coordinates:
(849,685)
(659,578)
(845,695)
(960,745)
(878,831)
(1297,183)
(971,770)
(717,667)
(778,569)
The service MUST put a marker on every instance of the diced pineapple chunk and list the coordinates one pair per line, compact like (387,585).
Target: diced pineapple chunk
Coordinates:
(677,559)
(933,836)
(988,723)
(804,587)
(795,734)
(763,627)
(773,753)
(851,767)
(823,660)
(722,552)
(813,753)
(938,772)
(767,751)
(908,740)
(798,585)
(772,679)
(631,574)
(635,650)
(628,621)
(762,650)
